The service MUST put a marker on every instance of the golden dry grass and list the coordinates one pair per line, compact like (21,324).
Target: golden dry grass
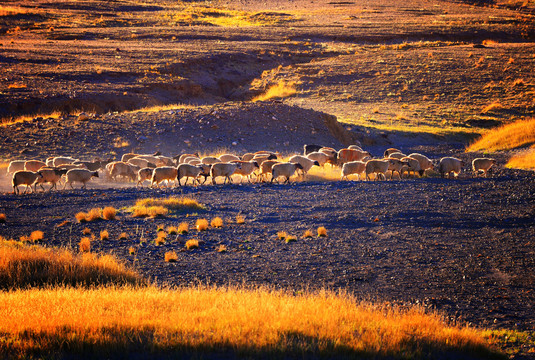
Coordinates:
(201,224)
(308,234)
(280,90)
(254,323)
(290,238)
(37,236)
(216,222)
(322,231)
(123,236)
(104,235)
(159,241)
(240,219)
(91,215)
(172,230)
(23,266)
(86,231)
(85,244)
(148,211)
(192,244)
(132,250)
(109,213)
(183,228)
(221,248)
(152,207)
(171,256)
(524,160)
(281,235)
(517,134)
(2,218)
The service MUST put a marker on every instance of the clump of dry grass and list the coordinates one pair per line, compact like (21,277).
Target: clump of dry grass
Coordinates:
(290,238)
(281,235)
(37,236)
(171,256)
(109,213)
(322,231)
(85,244)
(221,248)
(240,219)
(91,215)
(86,231)
(172,230)
(104,235)
(2,218)
(280,90)
(123,236)
(524,160)
(27,266)
(152,207)
(201,224)
(517,134)
(159,241)
(132,250)
(216,222)
(148,211)
(192,244)
(308,234)
(183,228)
(256,323)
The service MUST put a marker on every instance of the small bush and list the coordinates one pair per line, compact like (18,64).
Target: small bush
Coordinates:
(162,234)
(281,235)
(92,215)
(192,244)
(85,244)
(221,249)
(172,230)
(2,218)
(201,224)
(183,228)
(149,211)
(159,241)
(109,213)
(123,236)
(159,228)
(322,231)
(104,235)
(290,238)
(171,256)
(172,203)
(240,219)
(308,234)
(132,250)
(217,222)
(86,231)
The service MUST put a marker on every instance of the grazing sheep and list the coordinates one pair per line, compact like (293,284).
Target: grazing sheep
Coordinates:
(377,167)
(425,163)
(228,158)
(71,166)
(397,155)
(391,151)
(307,149)
(25,177)
(355,146)
(332,153)
(353,167)
(164,173)
(284,169)
(154,159)
(51,176)
(166,160)
(396,165)
(450,165)
(482,164)
(246,168)
(144,174)
(129,156)
(347,155)
(63,160)
(320,157)
(260,158)
(15,165)
(120,168)
(413,165)
(33,165)
(188,171)
(205,171)
(265,169)
(210,160)
(190,159)
(223,169)
(79,175)
(305,162)
(93,165)
(247,157)
(184,156)
(142,163)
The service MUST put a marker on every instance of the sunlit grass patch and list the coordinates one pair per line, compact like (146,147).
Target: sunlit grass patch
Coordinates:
(86,231)
(109,213)
(183,228)
(192,244)
(308,234)
(201,224)
(85,244)
(280,90)
(91,215)
(152,207)
(492,107)
(148,211)
(171,256)
(322,231)
(524,160)
(281,235)
(159,240)
(123,236)
(216,222)
(510,136)
(23,266)
(172,230)
(222,249)
(2,218)
(37,236)
(104,235)
(24,118)
(256,323)
(290,238)
(240,219)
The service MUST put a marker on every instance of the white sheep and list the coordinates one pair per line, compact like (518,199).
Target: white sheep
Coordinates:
(33,165)
(332,153)
(355,147)
(353,167)
(425,162)
(305,162)
(128,156)
(397,155)
(79,175)
(229,158)
(188,171)
(144,174)
(260,158)
(284,169)
(166,160)
(194,161)
(448,165)
(347,155)
(247,157)
(63,160)
(15,165)
(320,157)
(223,169)
(164,173)
(391,151)
(396,165)
(51,176)
(413,165)
(154,159)
(377,167)
(210,160)
(142,163)
(246,169)
(25,177)
(120,168)
(184,156)
(265,169)
(482,164)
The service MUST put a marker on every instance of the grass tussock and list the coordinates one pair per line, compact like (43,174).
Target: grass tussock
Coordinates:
(281,235)
(524,160)
(171,256)
(23,266)
(85,244)
(86,231)
(222,249)
(132,250)
(240,219)
(322,231)
(172,230)
(37,236)
(148,211)
(280,90)
(159,241)
(255,323)
(104,235)
(308,234)
(517,134)
(123,236)
(183,228)
(201,224)
(152,207)
(290,238)
(216,222)
(109,213)
(192,244)
(2,218)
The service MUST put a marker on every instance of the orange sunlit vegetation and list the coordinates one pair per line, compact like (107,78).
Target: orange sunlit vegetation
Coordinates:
(517,134)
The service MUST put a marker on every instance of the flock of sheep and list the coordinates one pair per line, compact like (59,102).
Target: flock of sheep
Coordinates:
(263,165)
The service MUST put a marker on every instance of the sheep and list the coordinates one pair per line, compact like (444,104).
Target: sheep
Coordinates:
(320,157)
(260,158)
(157,160)
(120,168)
(246,168)
(93,165)
(265,168)
(188,171)
(377,167)
(305,162)
(144,174)
(162,173)
(25,177)
(50,161)
(223,169)
(166,160)
(396,165)
(142,163)
(129,156)
(205,171)
(33,165)
(357,146)
(247,157)
(210,160)
(284,169)
(397,155)
(15,165)
(425,163)
(181,158)
(228,158)
(71,166)
(347,155)
(450,165)
(79,175)
(51,176)
(482,164)
(332,153)
(63,160)
(413,165)
(353,167)
(191,159)
(391,151)
(307,149)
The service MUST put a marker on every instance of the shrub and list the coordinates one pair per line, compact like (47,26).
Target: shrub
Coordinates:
(240,219)
(183,228)
(221,249)
(290,238)
(92,215)
(192,244)
(159,241)
(104,235)
(37,236)
(85,244)
(171,256)
(322,231)
(172,230)
(201,224)
(109,213)
(281,235)
(216,222)
(308,234)
(86,231)
(2,218)
(123,236)
(132,250)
